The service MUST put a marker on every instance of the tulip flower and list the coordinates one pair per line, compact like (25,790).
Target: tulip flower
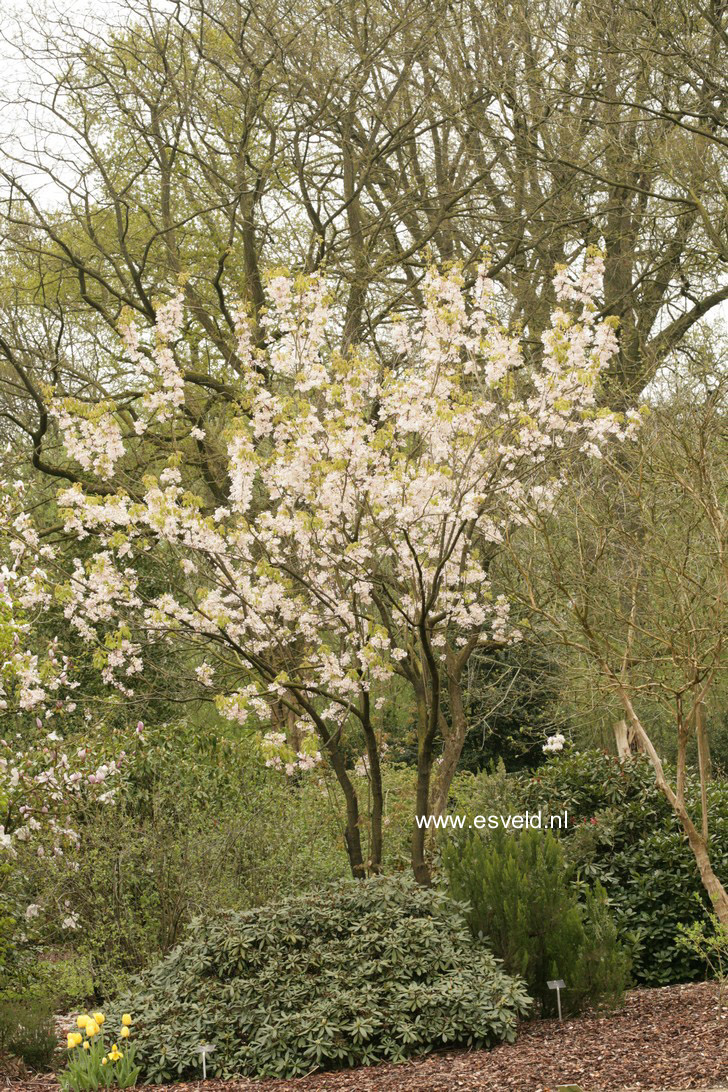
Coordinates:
(126,1020)
(124,1032)
(71,1041)
(99,1018)
(82,1021)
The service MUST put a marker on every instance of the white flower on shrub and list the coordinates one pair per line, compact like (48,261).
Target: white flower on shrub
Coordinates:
(70,921)
(554,744)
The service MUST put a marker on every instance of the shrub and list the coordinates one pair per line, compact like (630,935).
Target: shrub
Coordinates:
(603,968)
(196,825)
(355,974)
(709,944)
(623,833)
(522,904)
(490,792)
(62,979)
(28,1032)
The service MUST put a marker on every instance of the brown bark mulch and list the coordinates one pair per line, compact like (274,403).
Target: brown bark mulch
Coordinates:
(668,1038)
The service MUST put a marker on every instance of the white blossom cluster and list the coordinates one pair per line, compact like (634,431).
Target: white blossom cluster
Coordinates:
(363,502)
(41,775)
(554,744)
(280,753)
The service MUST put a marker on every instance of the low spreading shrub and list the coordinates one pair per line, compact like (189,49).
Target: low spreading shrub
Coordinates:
(350,975)
(709,942)
(522,903)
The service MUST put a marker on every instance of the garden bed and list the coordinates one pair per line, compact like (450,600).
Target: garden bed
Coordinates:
(668,1038)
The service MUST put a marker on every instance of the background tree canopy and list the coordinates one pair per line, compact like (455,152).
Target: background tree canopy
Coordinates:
(216,141)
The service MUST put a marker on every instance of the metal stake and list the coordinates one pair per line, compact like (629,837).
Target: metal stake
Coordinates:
(557,984)
(204,1049)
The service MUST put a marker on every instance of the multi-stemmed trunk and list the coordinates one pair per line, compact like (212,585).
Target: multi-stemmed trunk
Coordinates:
(360,865)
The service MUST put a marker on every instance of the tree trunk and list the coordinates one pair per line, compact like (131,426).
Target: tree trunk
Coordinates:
(621,738)
(420,866)
(454,738)
(704,763)
(453,735)
(352,833)
(627,743)
(716,891)
(428,714)
(375,781)
(698,844)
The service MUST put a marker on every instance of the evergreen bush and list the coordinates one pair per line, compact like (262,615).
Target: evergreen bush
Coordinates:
(604,965)
(353,974)
(623,833)
(522,904)
(28,1032)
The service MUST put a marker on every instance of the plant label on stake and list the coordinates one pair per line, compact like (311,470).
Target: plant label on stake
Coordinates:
(557,984)
(204,1049)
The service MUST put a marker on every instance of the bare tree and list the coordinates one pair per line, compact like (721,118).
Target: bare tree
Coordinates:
(636,585)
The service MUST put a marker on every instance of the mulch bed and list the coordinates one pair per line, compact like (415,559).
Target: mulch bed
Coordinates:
(669,1038)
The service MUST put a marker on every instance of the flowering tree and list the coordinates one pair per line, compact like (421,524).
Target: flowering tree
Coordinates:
(331,521)
(44,775)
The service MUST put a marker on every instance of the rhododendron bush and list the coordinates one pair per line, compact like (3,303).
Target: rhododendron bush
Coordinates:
(327,523)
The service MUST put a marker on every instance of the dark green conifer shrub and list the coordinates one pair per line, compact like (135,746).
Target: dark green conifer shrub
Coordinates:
(27,1031)
(522,904)
(604,965)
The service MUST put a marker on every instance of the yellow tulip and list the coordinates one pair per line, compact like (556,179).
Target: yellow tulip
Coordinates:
(87,1045)
(99,1018)
(71,1041)
(92,1028)
(82,1021)
(77,1037)
(126,1020)
(104,1061)
(124,1032)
